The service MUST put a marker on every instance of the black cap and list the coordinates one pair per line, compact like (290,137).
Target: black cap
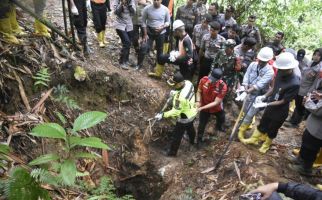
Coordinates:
(176,78)
(300,54)
(215,75)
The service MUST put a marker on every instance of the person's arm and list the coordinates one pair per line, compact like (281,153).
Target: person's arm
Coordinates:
(217,100)
(264,80)
(211,105)
(187,45)
(144,25)
(270,89)
(202,47)
(315,108)
(198,95)
(299,191)
(176,109)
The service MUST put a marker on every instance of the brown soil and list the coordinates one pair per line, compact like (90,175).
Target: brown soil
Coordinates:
(131,98)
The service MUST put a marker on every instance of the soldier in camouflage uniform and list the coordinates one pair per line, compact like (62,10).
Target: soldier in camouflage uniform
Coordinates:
(187,14)
(230,64)
(200,30)
(201,11)
(250,30)
(210,45)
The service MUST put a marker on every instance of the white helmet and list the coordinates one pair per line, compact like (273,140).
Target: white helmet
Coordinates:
(285,60)
(265,54)
(177,24)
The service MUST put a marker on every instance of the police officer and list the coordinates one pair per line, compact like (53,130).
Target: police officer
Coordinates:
(201,11)
(250,30)
(232,32)
(200,30)
(210,45)
(183,110)
(227,17)
(211,92)
(187,14)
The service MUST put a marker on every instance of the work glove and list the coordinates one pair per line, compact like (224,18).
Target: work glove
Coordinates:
(241,97)
(88,5)
(172,92)
(260,105)
(173,55)
(241,89)
(74,10)
(158,116)
(260,99)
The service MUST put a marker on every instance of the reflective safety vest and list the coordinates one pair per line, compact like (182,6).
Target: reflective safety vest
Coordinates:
(183,104)
(99,1)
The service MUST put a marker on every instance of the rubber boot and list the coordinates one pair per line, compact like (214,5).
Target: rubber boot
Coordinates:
(103,38)
(165,48)
(266,145)
(158,71)
(319,186)
(255,138)
(100,39)
(292,106)
(41,29)
(318,161)
(241,132)
(5,29)
(86,49)
(16,29)
(252,124)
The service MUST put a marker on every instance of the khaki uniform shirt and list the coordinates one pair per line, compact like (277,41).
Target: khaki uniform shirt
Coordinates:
(211,46)
(198,33)
(187,15)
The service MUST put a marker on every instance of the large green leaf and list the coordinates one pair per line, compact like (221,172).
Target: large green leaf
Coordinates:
(88,119)
(49,130)
(74,140)
(44,159)
(68,172)
(91,142)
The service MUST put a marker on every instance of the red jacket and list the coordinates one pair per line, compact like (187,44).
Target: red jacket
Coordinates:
(209,92)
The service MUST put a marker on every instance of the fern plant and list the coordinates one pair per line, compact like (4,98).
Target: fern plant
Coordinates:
(106,190)
(61,95)
(62,169)
(42,77)
(4,151)
(21,186)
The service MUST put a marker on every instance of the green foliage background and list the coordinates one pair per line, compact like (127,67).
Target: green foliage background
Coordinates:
(300,20)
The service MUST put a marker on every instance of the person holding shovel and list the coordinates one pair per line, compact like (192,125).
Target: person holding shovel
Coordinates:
(211,92)
(285,88)
(255,83)
(183,110)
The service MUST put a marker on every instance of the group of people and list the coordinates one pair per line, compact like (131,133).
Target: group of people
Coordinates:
(226,59)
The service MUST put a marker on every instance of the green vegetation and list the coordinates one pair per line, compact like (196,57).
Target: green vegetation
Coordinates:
(42,77)
(60,94)
(60,169)
(300,20)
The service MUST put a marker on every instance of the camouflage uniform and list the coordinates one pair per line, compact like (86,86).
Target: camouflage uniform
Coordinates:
(201,11)
(251,32)
(227,64)
(187,14)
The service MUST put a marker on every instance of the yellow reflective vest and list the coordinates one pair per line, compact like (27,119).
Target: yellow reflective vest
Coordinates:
(183,104)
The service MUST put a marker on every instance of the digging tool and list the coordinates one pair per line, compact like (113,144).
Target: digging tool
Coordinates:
(238,122)
(148,131)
